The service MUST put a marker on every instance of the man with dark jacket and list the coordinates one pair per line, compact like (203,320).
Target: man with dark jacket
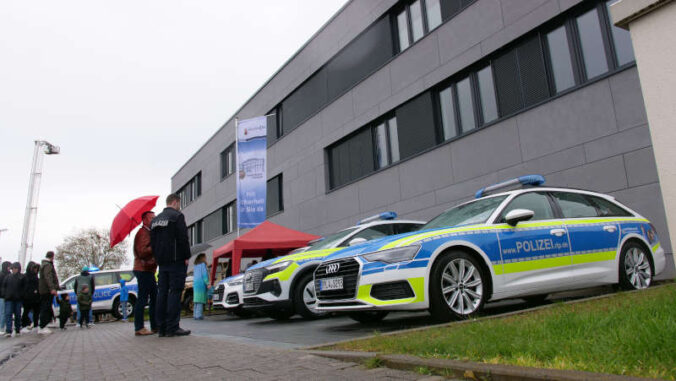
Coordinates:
(169,242)
(13,287)
(47,286)
(31,297)
(84,279)
(144,271)
(3,273)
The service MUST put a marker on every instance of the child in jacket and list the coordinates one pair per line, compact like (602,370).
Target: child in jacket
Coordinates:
(84,301)
(124,298)
(65,310)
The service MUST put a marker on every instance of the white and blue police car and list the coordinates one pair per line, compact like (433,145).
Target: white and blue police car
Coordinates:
(228,295)
(106,298)
(282,287)
(519,243)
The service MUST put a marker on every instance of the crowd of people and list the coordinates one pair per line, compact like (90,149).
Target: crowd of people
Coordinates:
(161,242)
(31,292)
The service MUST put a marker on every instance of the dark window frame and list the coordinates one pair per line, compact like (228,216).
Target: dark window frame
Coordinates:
(226,227)
(194,187)
(280,195)
(230,148)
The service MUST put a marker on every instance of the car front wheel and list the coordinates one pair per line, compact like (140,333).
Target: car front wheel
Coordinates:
(305,298)
(635,267)
(457,287)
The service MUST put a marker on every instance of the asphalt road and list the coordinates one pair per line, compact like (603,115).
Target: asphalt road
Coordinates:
(296,332)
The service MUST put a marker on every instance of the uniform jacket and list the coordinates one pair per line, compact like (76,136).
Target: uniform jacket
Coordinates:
(13,286)
(48,279)
(85,278)
(143,252)
(84,301)
(169,237)
(200,283)
(31,293)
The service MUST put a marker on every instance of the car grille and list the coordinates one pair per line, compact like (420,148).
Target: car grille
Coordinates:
(392,290)
(218,296)
(232,298)
(349,270)
(252,280)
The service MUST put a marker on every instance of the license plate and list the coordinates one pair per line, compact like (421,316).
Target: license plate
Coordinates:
(331,284)
(217,298)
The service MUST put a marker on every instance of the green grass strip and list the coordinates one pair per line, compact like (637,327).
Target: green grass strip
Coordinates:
(627,333)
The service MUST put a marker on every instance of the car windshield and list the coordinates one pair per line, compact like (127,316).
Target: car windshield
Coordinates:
(475,212)
(330,240)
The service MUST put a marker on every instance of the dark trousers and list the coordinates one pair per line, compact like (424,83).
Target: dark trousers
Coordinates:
(171,284)
(84,317)
(147,294)
(33,307)
(12,309)
(62,320)
(46,312)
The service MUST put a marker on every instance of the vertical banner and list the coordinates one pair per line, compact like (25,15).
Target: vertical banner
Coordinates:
(251,171)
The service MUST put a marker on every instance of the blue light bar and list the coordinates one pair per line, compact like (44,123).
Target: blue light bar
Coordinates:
(534,180)
(381,216)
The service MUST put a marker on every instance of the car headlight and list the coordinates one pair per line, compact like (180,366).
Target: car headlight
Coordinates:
(277,267)
(235,283)
(398,254)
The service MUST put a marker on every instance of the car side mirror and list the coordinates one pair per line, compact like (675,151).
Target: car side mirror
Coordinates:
(518,215)
(357,241)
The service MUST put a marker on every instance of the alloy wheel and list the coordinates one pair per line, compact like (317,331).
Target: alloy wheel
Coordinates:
(637,268)
(310,297)
(462,286)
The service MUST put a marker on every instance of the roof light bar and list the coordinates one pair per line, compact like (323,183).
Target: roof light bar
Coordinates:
(533,180)
(381,216)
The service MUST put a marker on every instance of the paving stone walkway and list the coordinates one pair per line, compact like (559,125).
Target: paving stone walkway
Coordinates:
(110,351)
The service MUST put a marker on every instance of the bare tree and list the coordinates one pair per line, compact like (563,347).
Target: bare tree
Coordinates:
(87,247)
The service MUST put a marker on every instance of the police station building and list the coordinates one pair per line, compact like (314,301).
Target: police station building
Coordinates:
(411,106)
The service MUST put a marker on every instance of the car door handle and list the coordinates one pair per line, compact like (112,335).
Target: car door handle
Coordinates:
(610,228)
(557,232)
(115,287)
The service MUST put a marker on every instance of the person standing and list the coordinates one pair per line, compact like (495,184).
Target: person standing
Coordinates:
(65,311)
(13,286)
(144,271)
(84,302)
(169,241)
(3,273)
(31,298)
(48,285)
(200,286)
(85,278)
(124,298)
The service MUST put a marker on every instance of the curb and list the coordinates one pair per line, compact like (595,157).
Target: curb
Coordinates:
(507,314)
(472,370)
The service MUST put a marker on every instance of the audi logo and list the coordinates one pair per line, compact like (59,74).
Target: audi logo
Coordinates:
(332,268)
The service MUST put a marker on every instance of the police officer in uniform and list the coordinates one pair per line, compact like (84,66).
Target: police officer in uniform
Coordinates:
(171,249)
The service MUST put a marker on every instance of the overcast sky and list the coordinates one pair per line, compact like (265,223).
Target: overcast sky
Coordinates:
(129,90)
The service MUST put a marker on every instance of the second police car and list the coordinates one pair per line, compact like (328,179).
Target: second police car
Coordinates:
(523,243)
(281,287)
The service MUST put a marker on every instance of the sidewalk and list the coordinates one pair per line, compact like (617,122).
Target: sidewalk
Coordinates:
(110,351)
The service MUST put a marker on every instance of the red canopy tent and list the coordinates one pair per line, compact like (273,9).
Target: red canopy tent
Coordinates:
(262,241)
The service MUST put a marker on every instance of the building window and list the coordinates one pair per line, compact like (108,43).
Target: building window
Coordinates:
(402,28)
(229,217)
(624,51)
(386,143)
(213,225)
(228,161)
(433,10)
(190,191)
(274,120)
(558,47)
(275,197)
(417,28)
(465,105)
(591,41)
(416,19)
(195,233)
(489,107)
(448,122)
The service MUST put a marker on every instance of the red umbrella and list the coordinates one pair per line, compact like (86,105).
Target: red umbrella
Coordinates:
(129,217)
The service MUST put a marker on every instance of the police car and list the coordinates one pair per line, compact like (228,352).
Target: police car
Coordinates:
(281,287)
(106,298)
(228,295)
(522,243)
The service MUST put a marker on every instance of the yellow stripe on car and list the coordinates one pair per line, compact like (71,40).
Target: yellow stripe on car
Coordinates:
(284,274)
(417,284)
(594,257)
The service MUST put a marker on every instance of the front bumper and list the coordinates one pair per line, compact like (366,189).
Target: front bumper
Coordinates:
(377,286)
(228,297)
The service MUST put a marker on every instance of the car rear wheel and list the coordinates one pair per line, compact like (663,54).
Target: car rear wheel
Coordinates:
(456,287)
(368,316)
(305,298)
(635,267)
(117,308)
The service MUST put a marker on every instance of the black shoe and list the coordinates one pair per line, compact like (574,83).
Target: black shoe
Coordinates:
(162,334)
(179,332)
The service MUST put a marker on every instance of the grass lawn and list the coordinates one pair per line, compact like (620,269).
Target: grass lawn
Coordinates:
(627,333)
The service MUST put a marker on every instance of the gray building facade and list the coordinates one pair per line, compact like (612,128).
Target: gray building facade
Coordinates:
(412,106)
